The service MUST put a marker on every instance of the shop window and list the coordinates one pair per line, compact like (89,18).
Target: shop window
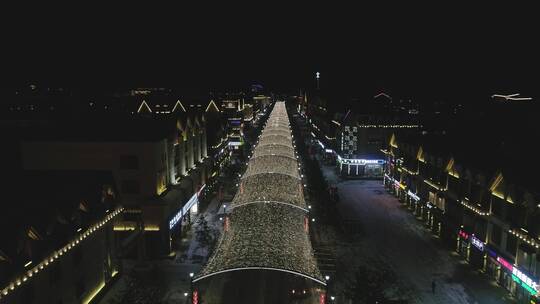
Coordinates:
(511,244)
(496,235)
(129,162)
(453,184)
(497,207)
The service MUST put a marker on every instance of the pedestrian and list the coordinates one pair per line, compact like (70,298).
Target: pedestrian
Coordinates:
(433,286)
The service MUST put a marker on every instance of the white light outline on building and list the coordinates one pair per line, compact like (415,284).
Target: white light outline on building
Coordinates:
(178,102)
(212,103)
(147,106)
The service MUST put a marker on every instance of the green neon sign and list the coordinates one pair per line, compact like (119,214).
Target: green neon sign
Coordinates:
(527,287)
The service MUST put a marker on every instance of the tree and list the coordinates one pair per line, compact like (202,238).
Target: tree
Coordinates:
(204,234)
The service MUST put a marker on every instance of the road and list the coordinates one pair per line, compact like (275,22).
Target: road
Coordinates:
(391,236)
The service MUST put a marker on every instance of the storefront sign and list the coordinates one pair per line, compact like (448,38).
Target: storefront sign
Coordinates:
(361,161)
(414,196)
(505,263)
(195,297)
(192,202)
(491,253)
(464,235)
(519,277)
(526,282)
(175,219)
(477,243)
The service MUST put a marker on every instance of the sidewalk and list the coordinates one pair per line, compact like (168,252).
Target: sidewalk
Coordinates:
(408,250)
(168,279)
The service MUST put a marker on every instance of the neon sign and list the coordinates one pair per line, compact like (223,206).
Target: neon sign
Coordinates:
(477,243)
(525,281)
(195,298)
(505,263)
(414,196)
(192,201)
(462,234)
(175,219)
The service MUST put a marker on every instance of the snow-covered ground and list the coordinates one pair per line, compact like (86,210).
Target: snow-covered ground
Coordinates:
(393,239)
(172,276)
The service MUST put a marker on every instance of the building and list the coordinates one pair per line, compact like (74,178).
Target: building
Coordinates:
(477,200)
(159,163)
(57,243)
(353,137)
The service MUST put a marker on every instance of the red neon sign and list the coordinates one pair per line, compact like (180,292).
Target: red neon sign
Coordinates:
(505,263)
(464,235)
(195,299)
(322,298)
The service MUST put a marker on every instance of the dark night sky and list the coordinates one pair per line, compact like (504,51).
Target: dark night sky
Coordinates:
(359,51)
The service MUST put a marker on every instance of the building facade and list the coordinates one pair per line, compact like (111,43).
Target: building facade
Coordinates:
(491,222)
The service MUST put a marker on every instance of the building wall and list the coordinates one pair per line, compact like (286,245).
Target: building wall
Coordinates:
(99,156)
(470,208)
(74,277)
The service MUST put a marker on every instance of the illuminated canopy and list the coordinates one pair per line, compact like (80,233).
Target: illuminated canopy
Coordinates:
(266,228)
(275,139)
(264,235)
(272,164)
(271,149)
(269,187)
(276,131)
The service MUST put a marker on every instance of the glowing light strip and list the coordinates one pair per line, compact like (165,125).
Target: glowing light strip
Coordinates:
(56,254)
(260,268)
(472,208)
(94,293)
(433,185)
(181,105)
(529,240)
(215,106)
(511,97)
(144,103)
(382,94)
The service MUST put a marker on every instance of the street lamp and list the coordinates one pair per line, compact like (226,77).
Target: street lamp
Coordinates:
(191,274)
(327,277)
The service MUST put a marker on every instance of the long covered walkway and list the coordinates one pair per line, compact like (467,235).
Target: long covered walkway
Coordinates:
(264,254)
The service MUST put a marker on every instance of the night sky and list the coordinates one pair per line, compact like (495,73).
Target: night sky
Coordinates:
(462,55)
